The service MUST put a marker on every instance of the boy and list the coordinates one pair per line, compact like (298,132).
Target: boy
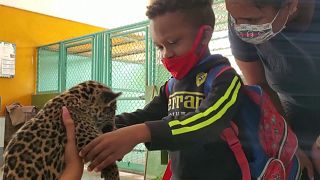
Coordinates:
(185,122)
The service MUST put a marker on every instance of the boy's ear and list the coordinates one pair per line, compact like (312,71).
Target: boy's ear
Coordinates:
(207,34)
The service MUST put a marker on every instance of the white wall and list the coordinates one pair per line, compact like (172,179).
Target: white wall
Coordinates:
(102,13)
(2,120)
(220,45)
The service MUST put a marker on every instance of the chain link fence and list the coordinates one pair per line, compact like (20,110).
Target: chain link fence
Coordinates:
(48,68)
(79,62)
(120,58)
(128,52)
(124,59)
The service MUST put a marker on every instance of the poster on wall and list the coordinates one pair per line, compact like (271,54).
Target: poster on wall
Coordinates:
(7,59)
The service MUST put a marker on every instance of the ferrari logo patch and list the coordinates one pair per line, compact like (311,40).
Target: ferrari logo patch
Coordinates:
(201,78)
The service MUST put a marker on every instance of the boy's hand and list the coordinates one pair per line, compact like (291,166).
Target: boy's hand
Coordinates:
(74,164)
(112,146)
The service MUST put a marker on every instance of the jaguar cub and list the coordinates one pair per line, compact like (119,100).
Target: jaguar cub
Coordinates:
(36,150)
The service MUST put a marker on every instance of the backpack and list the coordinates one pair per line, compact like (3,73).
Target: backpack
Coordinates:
(271,141)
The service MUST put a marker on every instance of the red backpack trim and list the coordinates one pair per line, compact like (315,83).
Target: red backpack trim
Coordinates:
(277,142)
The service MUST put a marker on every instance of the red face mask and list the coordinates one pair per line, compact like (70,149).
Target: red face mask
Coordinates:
(180,66)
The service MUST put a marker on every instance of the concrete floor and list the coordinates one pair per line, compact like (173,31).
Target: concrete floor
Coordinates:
(123,176)
(96,176)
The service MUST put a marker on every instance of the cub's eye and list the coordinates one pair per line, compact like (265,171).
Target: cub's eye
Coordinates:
(107,127)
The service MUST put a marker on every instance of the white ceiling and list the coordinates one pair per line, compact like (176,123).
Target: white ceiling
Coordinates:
(102,13)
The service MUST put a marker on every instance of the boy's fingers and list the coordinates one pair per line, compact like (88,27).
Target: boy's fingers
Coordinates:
(104,163)
(68,123)
(89,149)
(99,158)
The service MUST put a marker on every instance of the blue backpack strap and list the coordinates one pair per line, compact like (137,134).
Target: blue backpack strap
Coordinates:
(169,86)
(213,74)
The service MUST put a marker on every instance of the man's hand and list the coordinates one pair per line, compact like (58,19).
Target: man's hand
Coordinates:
(305,163)
(315,153)
(74,164)
(110,147)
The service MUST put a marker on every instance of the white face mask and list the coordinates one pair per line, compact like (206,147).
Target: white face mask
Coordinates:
(256,34)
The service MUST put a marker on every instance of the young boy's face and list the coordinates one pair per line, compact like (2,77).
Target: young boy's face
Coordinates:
(173,34)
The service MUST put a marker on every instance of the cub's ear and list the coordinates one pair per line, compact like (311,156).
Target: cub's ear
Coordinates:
(109,97)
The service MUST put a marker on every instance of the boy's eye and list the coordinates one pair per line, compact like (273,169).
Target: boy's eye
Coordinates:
(159,47)
(172,42)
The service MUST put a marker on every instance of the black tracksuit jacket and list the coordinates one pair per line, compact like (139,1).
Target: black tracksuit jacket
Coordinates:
(188,124)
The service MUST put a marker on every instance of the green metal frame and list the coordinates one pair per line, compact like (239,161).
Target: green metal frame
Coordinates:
(101,49)
(101,54)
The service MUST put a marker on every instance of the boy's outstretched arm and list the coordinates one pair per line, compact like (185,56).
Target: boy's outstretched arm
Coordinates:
(112,146)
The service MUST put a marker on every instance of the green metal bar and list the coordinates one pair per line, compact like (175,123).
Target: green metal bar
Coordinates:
(47,92)
(154,61)
(62,68)
(103,50)
(67,41)
(132,26)
(130,90)
(108,61)
(128,42)
(122,28)
(94,58)
(148,62)
(127,32)
(68,45)
(81,38)
(100,52)
(132,98)
(38,73)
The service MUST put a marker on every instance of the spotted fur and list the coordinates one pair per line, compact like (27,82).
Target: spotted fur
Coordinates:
(36,150)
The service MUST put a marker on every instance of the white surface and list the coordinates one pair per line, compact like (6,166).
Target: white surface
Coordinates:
(2,125)
(102,13)
(221,45)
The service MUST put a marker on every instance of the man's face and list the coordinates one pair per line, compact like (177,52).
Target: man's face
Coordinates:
(246,12)
(173,34)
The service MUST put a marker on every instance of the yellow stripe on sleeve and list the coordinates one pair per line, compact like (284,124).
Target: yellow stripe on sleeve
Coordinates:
(209,110)
(212,119)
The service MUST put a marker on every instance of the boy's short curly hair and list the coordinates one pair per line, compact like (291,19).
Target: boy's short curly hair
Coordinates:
(199,12)
(274,3)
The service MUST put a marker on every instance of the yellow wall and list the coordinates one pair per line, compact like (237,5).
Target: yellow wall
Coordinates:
(29,30)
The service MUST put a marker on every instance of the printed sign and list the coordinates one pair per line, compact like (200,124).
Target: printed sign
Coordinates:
(7,59)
